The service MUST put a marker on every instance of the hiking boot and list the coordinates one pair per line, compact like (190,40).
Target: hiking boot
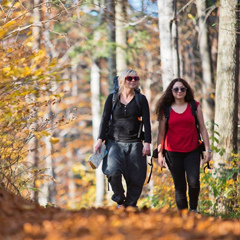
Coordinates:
(193,210)
(118,199)
(120,206)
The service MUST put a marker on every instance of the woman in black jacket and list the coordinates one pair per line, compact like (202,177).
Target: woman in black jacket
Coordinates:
(126,152)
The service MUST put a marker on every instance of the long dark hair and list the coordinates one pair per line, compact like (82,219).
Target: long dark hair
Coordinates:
(167,98)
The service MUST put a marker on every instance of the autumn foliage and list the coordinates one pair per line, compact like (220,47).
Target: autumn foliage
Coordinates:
(22,219)
(25,91)
(47,102)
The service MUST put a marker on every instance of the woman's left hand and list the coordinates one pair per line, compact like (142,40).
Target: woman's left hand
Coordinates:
(146,149)
(207,157)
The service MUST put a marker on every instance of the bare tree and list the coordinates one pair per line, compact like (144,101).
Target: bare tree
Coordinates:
(121,38)
(34,143)
(95,90)
(168,40)
(207,83)
(48,189)
(226,114)
(96,112)
(111,39)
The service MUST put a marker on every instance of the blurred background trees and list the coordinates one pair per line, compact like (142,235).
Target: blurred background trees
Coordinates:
(58,61)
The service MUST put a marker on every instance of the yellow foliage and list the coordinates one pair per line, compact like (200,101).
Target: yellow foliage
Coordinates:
(212,96)
(235,155)
(29,44)
(191,16)
(18,107)
(41,114)
(230,182)
(54,140)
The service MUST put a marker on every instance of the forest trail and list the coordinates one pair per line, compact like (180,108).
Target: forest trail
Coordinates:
(24,220)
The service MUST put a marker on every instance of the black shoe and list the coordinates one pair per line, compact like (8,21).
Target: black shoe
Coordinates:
(120,206)
(193,210)
(118,199)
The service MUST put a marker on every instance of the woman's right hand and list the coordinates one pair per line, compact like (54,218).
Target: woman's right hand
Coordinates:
(98,146)
(161,161)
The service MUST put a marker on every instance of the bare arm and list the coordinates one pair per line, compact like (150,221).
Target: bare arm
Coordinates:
(160,139)
(204,134)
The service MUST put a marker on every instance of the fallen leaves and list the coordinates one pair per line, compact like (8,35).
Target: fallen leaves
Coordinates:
(22,219)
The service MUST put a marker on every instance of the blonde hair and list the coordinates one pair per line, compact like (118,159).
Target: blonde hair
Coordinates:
(122,76)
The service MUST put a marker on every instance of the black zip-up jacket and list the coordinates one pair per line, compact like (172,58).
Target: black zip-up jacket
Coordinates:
(122,124)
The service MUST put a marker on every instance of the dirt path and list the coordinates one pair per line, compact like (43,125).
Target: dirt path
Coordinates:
(24,220)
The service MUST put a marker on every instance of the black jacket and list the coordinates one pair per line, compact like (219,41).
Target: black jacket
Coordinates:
(122,124)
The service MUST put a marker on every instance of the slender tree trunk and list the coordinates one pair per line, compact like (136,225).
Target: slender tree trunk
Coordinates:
(111,39)
(96,108)
(175,40)
(34,143)
(71,193)
(207,83)
(148,94)
(47,193)
(121,38)
(167,31)
(36,30)
(226,114)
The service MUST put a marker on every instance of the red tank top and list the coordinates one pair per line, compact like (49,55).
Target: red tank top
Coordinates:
(182,135)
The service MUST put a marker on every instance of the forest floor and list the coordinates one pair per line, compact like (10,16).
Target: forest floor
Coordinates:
(21,219)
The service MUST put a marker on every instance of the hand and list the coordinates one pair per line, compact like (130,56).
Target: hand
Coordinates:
(207,157)
(98,146)
(146,149)
(161,161)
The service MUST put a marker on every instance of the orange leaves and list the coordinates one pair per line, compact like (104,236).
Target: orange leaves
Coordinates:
(30,221)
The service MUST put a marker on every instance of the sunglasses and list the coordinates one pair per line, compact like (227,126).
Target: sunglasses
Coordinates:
(130,78)
(181,89)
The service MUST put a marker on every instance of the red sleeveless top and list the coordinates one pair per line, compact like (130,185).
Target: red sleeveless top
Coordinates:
(182,135)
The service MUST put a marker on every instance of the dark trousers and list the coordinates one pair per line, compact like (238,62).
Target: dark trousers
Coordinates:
(125,159)
(185,169)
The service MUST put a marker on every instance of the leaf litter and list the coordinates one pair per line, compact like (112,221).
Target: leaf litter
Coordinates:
(21,219)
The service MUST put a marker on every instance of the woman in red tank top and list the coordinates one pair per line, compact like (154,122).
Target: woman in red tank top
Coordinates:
(178,147)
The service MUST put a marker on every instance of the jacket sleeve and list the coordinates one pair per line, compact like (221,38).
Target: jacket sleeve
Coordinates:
(102,134)
(146,120)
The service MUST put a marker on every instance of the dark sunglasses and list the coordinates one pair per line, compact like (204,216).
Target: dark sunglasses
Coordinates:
(182,89)
(130,78)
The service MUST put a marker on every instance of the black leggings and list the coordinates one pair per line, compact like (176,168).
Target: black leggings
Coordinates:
(185,166)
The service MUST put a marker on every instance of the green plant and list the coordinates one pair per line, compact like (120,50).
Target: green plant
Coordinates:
(219,186)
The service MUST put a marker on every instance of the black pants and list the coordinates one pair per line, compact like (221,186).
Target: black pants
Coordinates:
(125,159)
(185,169)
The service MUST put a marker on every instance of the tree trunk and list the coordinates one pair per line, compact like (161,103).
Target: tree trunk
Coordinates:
(71,193)
(111,39)
(34,143)
(207,83)
(121,38)
(48,188)
(148,94)
(226,114)
(168,40)
(96,116)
